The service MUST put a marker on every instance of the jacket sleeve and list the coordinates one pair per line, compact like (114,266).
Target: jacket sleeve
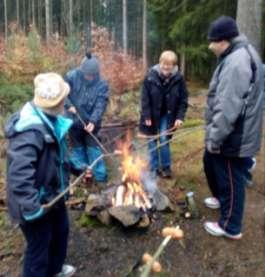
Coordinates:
(101,104)
(229,100)
(23,154)
(183,102)
(145,101)
(67,102)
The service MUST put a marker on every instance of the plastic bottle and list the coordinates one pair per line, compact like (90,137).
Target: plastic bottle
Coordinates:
(192,205)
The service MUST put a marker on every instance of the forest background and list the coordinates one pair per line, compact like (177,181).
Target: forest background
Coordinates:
(127,36)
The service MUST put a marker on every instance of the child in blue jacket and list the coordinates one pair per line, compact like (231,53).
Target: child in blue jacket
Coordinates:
(86,104)
(37,171)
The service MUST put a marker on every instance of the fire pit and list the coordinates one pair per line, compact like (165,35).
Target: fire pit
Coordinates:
(134,199)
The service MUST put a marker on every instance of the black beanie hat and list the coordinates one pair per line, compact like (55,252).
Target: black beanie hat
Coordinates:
(223,28)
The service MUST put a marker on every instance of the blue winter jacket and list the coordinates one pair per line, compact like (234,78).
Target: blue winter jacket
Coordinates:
(37,164)
(90,98)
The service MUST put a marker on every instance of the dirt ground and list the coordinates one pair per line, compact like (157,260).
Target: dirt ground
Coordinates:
(98,250)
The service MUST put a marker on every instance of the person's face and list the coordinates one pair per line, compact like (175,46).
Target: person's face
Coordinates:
(89,77)
(218,47)
(60,107)
(166,67)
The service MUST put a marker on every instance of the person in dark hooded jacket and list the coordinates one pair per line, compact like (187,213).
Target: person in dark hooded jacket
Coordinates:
(37,171)
(85,105)
(164,103)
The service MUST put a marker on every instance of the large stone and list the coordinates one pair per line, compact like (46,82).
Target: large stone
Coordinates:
(94,204)
(127,215)
(162,202)
(104,217)
(144,221)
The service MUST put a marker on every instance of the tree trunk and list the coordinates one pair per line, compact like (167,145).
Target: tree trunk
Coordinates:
(249,16)
(70,17)
(17,9)
(47,18)
(144,35)
(24,16)
(124,26)
(90,25)
(183,63)
(5,11)
(33,14)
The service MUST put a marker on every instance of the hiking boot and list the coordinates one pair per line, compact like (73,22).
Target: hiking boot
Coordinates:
(67,271)
(166,173)
(212,203)
(214,229)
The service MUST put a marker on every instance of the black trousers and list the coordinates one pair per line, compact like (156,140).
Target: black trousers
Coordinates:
(46,243)
(226,178)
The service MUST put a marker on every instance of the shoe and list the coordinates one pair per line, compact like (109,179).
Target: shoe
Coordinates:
(253,166)
(67,271)
(212,203)
(159,172)
(166,173)
(214,229)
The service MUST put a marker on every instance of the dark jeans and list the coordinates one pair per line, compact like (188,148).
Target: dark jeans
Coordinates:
(85,150)
(226,178)
(160,158)
(46,243)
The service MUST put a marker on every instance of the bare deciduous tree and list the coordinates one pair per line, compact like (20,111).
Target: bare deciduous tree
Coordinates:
(71,17)
(5,12)
(17,10)
(144,35)
(124,26)
(47,18)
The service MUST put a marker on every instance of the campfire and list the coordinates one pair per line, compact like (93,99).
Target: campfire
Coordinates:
(133,198)
(131,191)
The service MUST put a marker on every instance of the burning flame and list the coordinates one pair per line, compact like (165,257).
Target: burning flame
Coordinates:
(131,192)
(131,165)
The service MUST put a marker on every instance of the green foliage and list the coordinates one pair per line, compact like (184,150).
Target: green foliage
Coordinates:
(72,44)
(12,96)
(183,26)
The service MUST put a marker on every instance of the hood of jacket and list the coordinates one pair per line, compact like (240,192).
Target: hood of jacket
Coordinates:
(155,74)
(33,118)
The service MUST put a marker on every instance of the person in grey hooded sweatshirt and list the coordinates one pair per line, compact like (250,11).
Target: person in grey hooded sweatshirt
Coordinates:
(164,103)
(233,124)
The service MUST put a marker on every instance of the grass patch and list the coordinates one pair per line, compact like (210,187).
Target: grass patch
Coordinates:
(88,221)
(187,163)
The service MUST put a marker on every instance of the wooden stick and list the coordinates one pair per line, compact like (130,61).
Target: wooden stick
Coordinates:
(175,137)
(77,180)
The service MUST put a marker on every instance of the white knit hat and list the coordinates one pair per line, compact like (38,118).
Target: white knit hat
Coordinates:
(50,89)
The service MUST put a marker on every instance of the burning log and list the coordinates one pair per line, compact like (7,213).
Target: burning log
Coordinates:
(131,193)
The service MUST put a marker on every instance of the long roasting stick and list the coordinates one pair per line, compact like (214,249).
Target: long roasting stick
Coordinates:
(77,180)
(168,132)
(92,135)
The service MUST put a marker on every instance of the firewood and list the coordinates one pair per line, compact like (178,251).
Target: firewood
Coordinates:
(119,195)
(73,202)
